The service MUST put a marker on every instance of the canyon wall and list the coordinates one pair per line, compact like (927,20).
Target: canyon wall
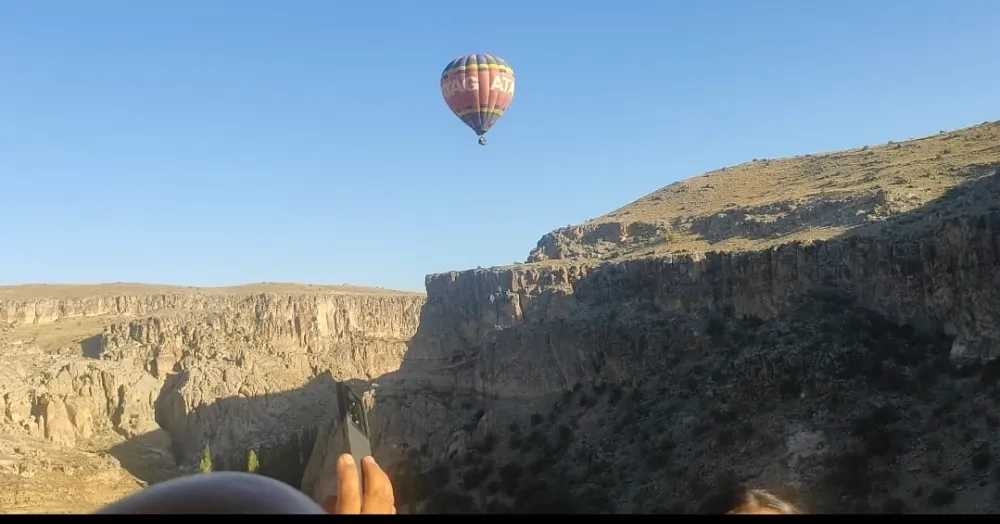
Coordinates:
(541,317)
(172,372)
(494,344)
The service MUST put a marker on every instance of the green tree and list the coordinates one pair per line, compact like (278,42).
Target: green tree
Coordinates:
(206,460)
(252,464)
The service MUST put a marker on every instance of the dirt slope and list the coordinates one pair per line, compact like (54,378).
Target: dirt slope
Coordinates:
(769,202)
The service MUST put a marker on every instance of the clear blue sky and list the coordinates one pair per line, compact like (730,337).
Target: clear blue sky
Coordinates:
(217,142)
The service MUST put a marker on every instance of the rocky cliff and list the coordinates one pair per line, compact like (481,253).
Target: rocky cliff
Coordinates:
(157,374)
(840,353)
(885,318)
(932,268)
(865,318)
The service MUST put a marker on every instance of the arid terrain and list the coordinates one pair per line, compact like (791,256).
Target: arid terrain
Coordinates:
(69,399)
(768,202)
(824,326)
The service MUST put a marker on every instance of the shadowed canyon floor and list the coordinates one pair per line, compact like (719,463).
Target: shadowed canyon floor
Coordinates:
(833,340)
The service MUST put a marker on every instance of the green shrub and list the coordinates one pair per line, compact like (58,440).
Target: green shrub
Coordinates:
(252,464)
(206,460)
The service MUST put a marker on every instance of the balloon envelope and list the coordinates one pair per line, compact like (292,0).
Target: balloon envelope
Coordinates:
(478,89)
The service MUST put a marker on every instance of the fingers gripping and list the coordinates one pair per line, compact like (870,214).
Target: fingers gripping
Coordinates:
(348,490)
(379,498)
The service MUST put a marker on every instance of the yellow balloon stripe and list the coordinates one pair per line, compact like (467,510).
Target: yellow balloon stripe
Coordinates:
(495,111)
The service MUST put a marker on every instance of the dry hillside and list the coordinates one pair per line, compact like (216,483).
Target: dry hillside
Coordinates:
(770,202)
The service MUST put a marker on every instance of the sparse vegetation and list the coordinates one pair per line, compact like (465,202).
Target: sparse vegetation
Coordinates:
(768,202)
(252,464)
(205,466)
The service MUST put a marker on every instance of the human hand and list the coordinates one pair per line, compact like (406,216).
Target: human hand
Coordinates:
(378,497)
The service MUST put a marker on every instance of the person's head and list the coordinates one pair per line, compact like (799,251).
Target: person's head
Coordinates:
(761,502)
(230,492)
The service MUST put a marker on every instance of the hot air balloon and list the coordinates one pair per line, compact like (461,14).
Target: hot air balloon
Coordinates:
(478,89)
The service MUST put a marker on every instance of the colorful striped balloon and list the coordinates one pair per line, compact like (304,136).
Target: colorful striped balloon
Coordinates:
(478,89)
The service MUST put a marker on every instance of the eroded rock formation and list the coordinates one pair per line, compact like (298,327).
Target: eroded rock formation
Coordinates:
(808,333)
(173,372)
(847,367)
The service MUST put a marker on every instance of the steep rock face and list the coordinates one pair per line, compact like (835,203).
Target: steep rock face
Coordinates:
(49,310)
(506,339)
(231,370)
(494,345)
(947,280)
(528,331)
(599,240)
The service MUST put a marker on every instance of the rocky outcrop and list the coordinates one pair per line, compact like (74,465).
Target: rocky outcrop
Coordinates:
(597,240)
(509,338)
(227,370)
(609,240)
(765,203)
(785,217)
(939,273)
(43,477)
(946,280)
